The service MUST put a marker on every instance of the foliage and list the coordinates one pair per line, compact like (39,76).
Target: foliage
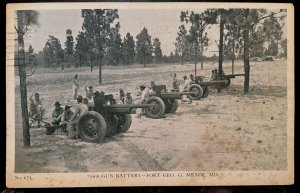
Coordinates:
(114,46)
(157,50)
(52,52)
(144,47)
(97,26)
(128,51)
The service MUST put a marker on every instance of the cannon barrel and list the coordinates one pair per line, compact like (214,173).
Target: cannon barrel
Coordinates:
(124,108)
(212,83)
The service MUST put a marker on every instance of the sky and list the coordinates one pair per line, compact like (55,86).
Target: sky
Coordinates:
(161,24)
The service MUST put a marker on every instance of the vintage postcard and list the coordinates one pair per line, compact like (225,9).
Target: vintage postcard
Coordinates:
(149,94)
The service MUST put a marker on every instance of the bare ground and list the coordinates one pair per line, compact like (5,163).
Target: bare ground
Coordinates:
(227,131)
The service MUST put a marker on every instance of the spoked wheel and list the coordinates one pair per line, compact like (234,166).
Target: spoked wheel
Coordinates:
(205,91)
(157,108)
(172,106)
(124,122)
(92,127)
(198,92)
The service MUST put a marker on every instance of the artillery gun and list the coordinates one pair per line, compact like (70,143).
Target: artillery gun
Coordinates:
(168,101)
(108,118)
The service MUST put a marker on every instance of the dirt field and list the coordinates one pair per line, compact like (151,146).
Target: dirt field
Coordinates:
(227,131)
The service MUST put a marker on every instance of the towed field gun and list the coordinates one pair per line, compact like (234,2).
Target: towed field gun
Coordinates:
(220,82)
(167,102)
(108,118)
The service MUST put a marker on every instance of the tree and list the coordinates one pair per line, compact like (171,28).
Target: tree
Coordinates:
(283,45)
(272,49)
(69,46)
(181,44)
(97,26)
(250,23)
(157,50)
(144,47)
(31,60)
(114,50)
(53,52)
(198,37)
(128,49)
(25,20)
(81,47)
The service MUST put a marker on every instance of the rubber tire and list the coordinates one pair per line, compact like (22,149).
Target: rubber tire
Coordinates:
(205,91)
(101,130)
(159,102)
(174,106)
(127,123)
(200,92)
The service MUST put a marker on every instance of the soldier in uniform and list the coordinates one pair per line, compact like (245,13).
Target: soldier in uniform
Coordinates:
(186,86)
(89,92)
(175,83)
(75,86)
(57,111)
(37,110)
(144,96)
(66,115)
(80,108)
(122,95)
(152,86)
(128,99)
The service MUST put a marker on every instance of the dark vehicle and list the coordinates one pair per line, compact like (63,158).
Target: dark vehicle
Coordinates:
(108,118)
(168,100)
(221,82)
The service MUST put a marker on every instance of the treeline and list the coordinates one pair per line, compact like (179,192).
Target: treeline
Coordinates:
(264,34)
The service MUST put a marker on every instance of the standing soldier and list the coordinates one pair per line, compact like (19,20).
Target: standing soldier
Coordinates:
(36,108)
(175,83)
(145,95)
(80,108)
(122,95)
(75,86)
(89,92)
(186,86)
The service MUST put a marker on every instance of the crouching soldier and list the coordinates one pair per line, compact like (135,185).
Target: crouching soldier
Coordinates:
(36,111)
(57,111)
(80,108)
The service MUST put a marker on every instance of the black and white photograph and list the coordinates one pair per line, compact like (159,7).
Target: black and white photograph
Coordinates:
(131,94)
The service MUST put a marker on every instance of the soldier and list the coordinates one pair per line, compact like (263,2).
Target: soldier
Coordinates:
(99,101)
(36,108)
(187,83)
(57,111)
(67,114)
(122,95)
(128,99)
(186,86)
(175,83)
(89,92)
(152,86)
(145,95)
(192,78)
(75,86)
(80,108)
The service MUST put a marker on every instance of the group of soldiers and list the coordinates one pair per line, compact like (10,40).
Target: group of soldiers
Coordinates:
(95,100)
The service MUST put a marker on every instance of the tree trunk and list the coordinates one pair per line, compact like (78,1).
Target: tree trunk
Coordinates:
(195,69)
(100,71)
(246,55)
(182,60)
(221,47)
(201,53)
(233,56)
(23,88)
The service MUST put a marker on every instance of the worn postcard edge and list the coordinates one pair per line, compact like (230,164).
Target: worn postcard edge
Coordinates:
(264,177)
